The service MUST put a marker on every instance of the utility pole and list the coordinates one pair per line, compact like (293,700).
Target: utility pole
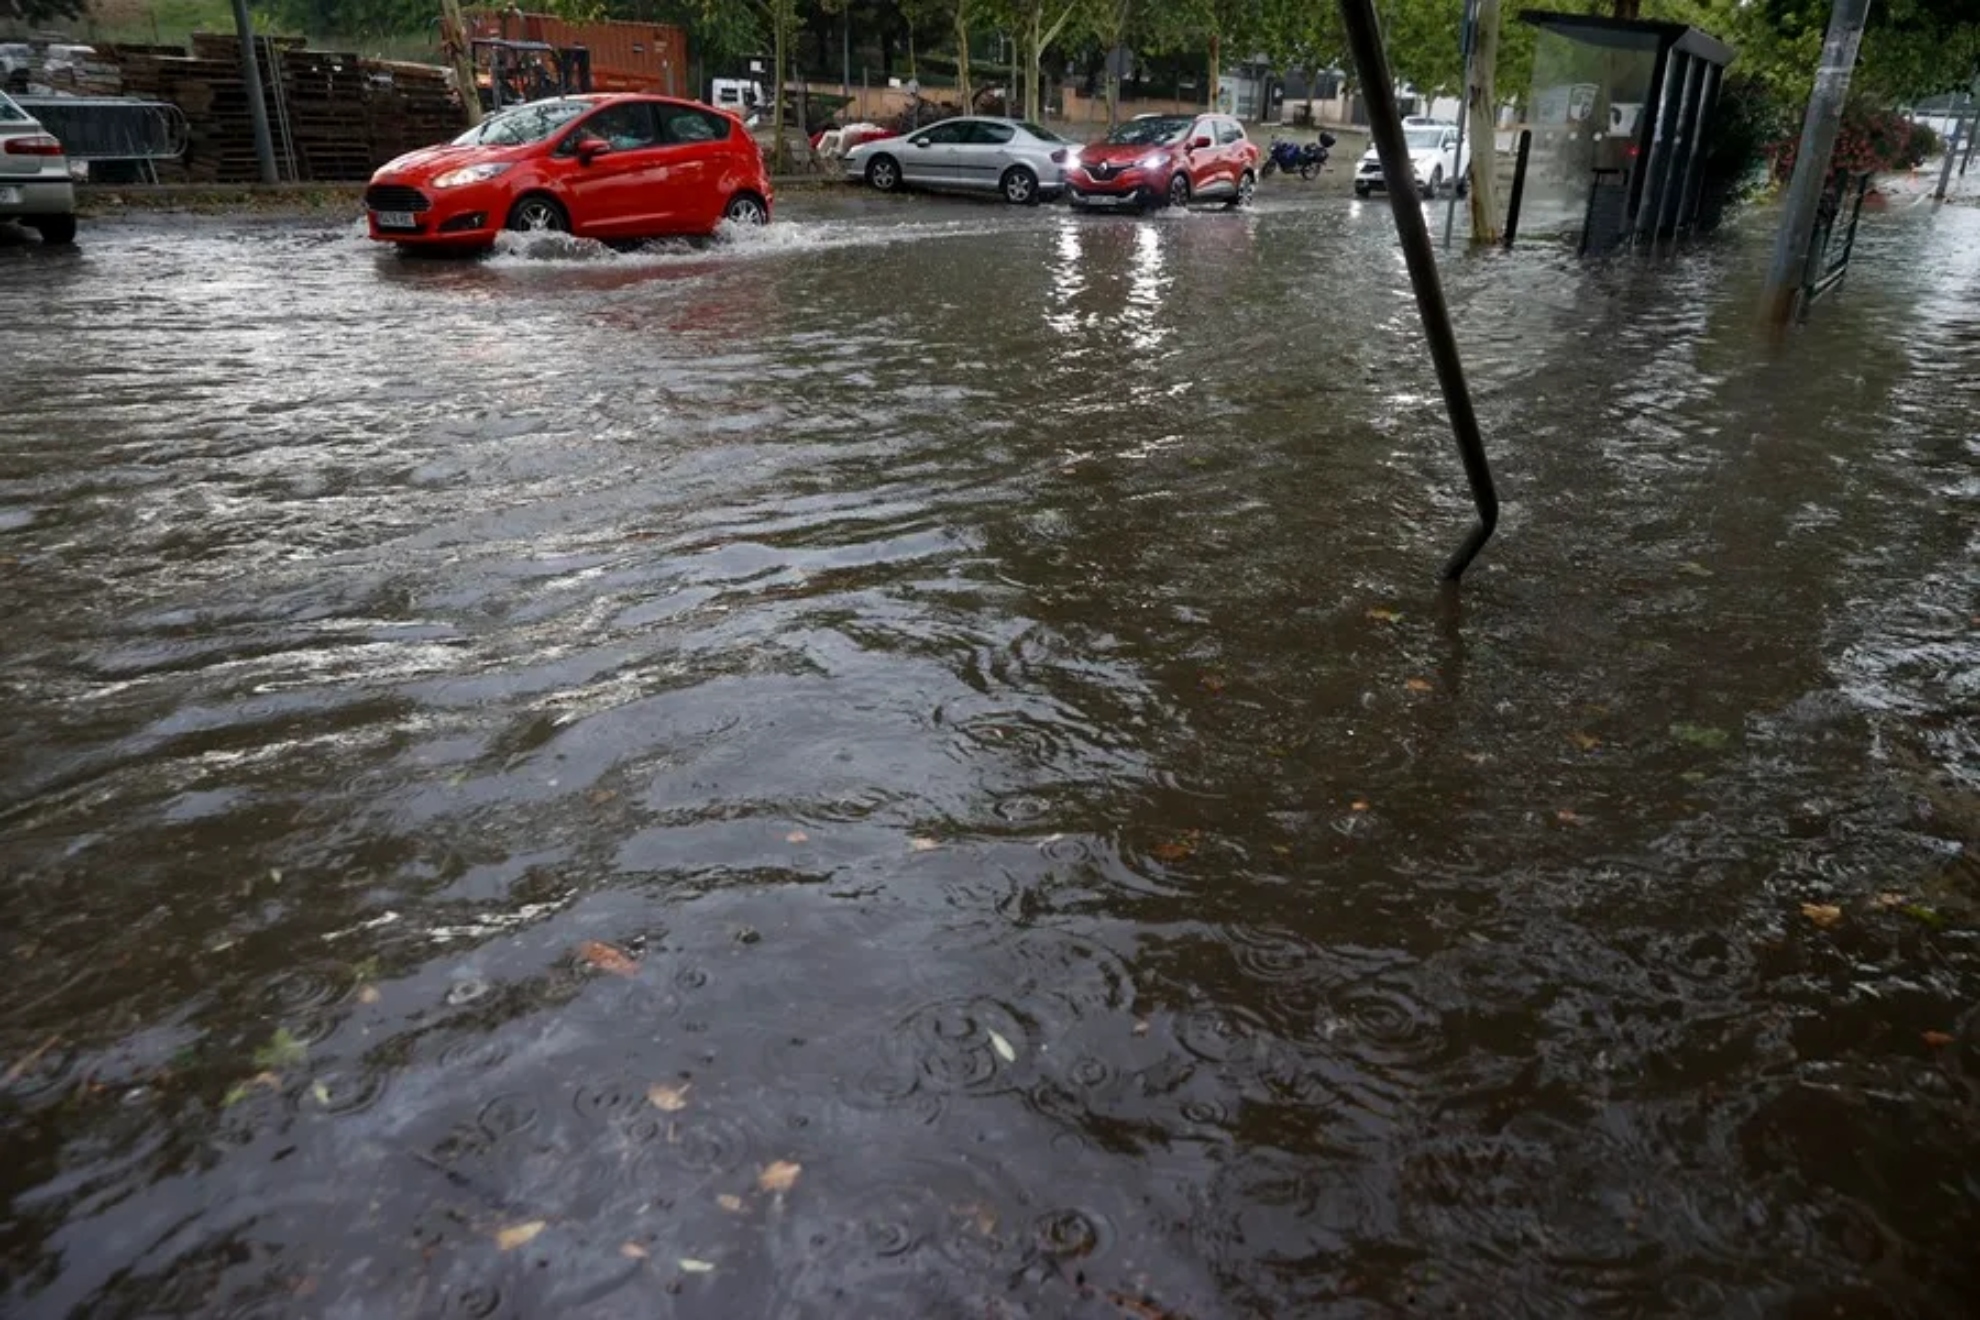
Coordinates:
(1457,158)
(1483,103)
(454,39)
(264,145)
(1811,163)
(1959,126)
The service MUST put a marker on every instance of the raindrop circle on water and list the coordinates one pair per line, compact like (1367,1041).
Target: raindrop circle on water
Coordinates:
(1221,1034)
(473,1053)
(963,1044)
(505,1115)
(468,990)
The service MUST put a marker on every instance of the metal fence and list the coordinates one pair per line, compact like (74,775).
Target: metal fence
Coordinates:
(112,128)
(1828,260)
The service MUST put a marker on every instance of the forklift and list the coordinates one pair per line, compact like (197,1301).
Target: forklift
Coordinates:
(512,72)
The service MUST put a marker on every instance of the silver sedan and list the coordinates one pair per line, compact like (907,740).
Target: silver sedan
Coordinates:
(34,177)
(1020,161)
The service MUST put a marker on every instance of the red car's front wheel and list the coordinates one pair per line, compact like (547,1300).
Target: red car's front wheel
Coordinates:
(537,214)
(1179,190)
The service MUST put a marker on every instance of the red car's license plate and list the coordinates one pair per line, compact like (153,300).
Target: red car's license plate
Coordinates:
(395,219)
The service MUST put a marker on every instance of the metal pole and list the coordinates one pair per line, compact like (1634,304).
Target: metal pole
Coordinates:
(1952,149)
(1811,164)
(1971,138)
(1385,126)
(264,146)
(1457,161)
(846,53)
(1518,186)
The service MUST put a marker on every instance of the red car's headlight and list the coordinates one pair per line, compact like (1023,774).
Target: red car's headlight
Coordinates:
(471,174)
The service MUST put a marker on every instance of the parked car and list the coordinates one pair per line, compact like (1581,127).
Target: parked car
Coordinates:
(1020,161)
(626,166)
(35,185)
(1433,155)
(1165,160)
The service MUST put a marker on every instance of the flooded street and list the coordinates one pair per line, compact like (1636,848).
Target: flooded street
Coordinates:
(914,764)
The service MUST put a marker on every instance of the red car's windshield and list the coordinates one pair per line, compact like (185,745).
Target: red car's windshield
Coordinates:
(523,124)
(1151,132)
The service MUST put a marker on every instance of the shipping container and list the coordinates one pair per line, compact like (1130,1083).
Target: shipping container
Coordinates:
(625,57)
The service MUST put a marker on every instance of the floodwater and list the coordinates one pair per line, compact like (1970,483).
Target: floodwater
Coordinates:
(915,765)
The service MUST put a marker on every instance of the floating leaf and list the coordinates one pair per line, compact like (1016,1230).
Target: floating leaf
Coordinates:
(730,1202)
(1211,682)
(1359,804)
(519,1235)
(1694,776)
(1695,569)
(923,845)
(368,994)
(1587,742)
(1381,615)
(689,1265)
(600,796)
(780,1176)
(1141,1026)
(282,1051)
(797,836)
(1919,912)
(1889,900)
(1938,1040)
(669,1099)
(1824,915)
(1701,735)
(1002,1046)
(608,959)
(1419,685)
(1179,849)
(322,1094)
(1568,817)
(236,1093)
(632,1251)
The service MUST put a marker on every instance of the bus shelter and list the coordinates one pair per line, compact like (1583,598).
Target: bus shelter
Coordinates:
(1621,111)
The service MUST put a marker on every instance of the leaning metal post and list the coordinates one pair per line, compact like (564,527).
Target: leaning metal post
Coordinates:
(264,145)
(1385,125)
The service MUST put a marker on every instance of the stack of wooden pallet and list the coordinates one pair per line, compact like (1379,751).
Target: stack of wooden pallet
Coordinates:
(322,108)
(409,106)
(331,115)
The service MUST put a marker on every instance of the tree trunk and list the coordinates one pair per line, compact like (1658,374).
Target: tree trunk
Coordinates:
(1217,72)
(1624,9)
(1035,57)
(780,150)
(962,57)
(1483,102)
(453,35)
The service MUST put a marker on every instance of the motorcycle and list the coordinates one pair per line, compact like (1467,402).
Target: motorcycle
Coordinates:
(1302,158)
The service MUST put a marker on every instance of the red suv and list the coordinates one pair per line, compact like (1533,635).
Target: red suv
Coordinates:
(609,167)
(1165,160)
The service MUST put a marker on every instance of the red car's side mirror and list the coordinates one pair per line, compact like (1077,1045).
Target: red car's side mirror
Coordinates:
(1198,143)
(590,148)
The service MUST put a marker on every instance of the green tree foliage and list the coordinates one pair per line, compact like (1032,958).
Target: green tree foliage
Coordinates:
(41,11)
(1912,48)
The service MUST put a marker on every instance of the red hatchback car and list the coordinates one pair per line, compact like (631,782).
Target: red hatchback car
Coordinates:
(606,167)
(1165,160)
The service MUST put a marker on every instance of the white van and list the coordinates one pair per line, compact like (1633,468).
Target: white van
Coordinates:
(739,96)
